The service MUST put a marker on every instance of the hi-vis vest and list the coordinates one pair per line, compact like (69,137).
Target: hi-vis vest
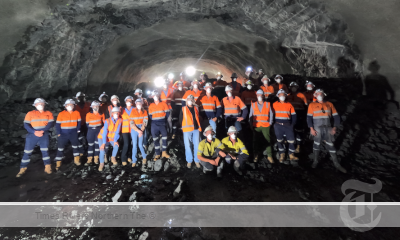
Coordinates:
(261,119)
(126,128)
(112,129)
(187,121)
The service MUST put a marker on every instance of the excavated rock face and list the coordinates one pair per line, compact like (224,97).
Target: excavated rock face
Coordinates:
(98,45)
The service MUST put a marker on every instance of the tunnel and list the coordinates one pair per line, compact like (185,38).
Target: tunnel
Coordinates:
(53,49)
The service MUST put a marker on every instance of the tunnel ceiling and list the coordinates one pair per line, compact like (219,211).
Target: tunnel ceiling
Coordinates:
(95,46)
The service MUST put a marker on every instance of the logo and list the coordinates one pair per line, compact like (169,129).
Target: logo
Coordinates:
(360,217)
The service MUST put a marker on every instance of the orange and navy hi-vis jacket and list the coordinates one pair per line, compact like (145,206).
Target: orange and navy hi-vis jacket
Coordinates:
(126,116)
(298,100)
(278,87)
(139,117)
(94,120)
(248,96)
(210,106)
(233,106)
(310,96)
(166,96)
(267,90)
(237,89)
(320,114)
(284,113)
(159,112)
(176,100)
(37,121)
(191,92)
(187,119)
(110,131)
(68,122)
(83,111)
(145,102)
(261,118)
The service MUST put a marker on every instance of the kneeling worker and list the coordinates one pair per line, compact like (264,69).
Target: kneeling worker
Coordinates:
(208,152)
(233,149)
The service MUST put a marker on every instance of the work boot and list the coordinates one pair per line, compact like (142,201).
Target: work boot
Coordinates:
(144,161)
(256,158)
(47,169)
(89,161)
(315,163)
(282,157)
(129,160)
(337,164)
(124,163)
(133,164)
(165,154)
(101,167)
(292,157)
(173,136)
(58,165)
(96,159)
(236,166)
(297,149)
(197,164)
(156,157)
(21,172)
(114,161)
(189,165)
(270,159)
(76,160)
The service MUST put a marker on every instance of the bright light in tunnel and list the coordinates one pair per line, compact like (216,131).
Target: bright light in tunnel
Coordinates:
(148,92)
(219,73)
(249,69)
(190,71)
(159,81)
(170,76)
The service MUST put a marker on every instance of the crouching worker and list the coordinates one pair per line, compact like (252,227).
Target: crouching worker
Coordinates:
(139,120)
(208,152)
(68,126)
(37,123)
(109,135)
(94,122)
(233,149)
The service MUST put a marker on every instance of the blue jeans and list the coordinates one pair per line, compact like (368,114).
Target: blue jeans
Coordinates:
(213,125)
(191,137)
(108,144)
(233,122)
(137,142)
(30,142)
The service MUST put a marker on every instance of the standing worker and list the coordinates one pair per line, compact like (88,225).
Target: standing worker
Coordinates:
(83,108)
(267,89)
(319,118)
(126,129)
(236,87)
(94,123)
(109,136)
(196,92)
(210,107)
(310,92)
(249,95)
(278,85)
(37,123)
(103,103)
(68,126)
(176,102)
(233,106)
(166,95)
(261,117)
(114,103)
(139,120)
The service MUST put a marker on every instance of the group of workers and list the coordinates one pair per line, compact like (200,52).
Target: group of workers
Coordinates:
(193,110)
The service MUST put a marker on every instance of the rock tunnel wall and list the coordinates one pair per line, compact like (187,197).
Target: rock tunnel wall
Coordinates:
(83,46)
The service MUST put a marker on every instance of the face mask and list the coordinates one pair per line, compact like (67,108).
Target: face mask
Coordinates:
(309,88)
(96,109)
(234,79)
(249,87)
(320,98)
(115,102)
(209,90)
(265,82)
(229,94)
(209,137)
(189,103)
(139,95)
(165,86)
(282,98)
(233,136)
(294,89)
(259,98)
(69,108)
(40,107)
(115,116)
(278,80)
(155,98)
(180,88)
(139,107)
(128,104)
(218,78)
(195,86)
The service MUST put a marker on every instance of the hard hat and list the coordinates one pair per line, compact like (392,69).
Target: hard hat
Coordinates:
(232,129)
(95,104)
(155,93)
(265,77)
(260,92)
(293,84)
(249,82)
(309,83)
(208,129)
(103,95)
(190,97)
(208,85)
(195,82)
(203,73)
(128,97)
(138,90)
(228,88)
(260,70)
(278,76)
(69,101)
(281,91)
(318,91)
(139,100)
(181,74)
(114,96)
(179,83)
(115,109)
(80,94)
(39,100)
(234,75)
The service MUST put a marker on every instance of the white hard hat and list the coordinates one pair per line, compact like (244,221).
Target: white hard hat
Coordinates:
(249,82)
(265,77)
(281,91)
(318,91)
(155,93)
(232,129)
(69,101)
(208,85)
(260,92)
(309,83)
(208,129)
(278,76)
(115,109)
(114,96)
(260,70)
(128,97)
(39,100)
(195,82)
(139,100)
(138,90)
(94,104)
(294,84)
(228,88)
(80,94)
(190,96)
(102,95)
(179,82)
